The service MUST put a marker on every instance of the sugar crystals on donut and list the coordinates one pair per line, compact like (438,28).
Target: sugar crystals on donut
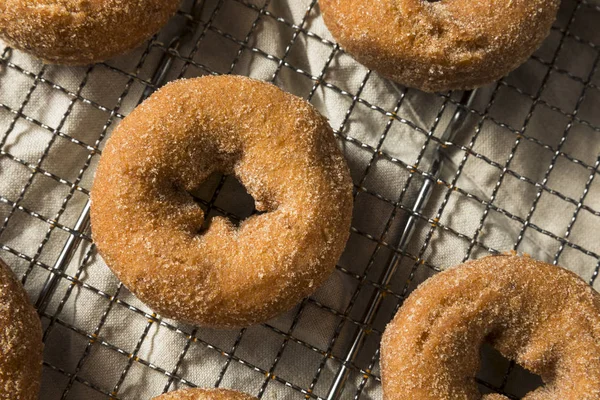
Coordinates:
(79,32)
(438,45)
(205,394)
(20,341)
(148,227)
(544,317)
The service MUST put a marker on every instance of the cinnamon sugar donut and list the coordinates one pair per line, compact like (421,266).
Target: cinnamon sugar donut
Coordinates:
(148,227)
(543,317)
(440,45)
(77,32)
(205,394)
(20,341)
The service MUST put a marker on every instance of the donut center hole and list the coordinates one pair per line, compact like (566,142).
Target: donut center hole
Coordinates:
(224,196)
(498,375)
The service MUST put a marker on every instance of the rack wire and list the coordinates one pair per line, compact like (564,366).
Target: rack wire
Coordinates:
(418,208)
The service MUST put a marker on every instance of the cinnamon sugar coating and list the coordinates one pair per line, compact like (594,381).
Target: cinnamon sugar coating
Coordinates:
(205,394)
(543,317)
(148,227)
(440,45)
(78,32)
(20,341)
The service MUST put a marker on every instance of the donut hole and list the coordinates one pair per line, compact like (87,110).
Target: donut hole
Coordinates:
(223,195)
(492,374)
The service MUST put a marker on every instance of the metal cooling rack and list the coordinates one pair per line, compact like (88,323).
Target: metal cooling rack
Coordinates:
(341,359)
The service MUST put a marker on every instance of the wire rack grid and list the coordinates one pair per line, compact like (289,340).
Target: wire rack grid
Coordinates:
(517,172)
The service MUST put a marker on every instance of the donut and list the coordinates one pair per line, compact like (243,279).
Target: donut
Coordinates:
(543,317)
(440,45)
(79,32)
(205,394)
(20,341)
(150,231)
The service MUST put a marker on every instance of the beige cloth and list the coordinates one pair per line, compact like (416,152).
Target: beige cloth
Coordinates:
(64,147)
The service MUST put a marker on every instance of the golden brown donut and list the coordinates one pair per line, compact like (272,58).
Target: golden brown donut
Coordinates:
(205,394)
(77,32)
(148,227)
(543,317)
(440,45)
(20,341)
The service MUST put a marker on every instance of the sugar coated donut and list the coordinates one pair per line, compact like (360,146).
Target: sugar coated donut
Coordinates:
(77,32)
(149,229)
(20,341)
(543,317)
(205,394)
(440,45)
